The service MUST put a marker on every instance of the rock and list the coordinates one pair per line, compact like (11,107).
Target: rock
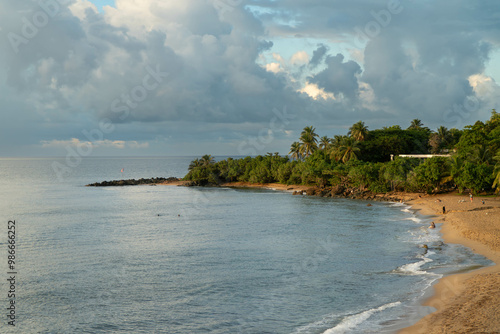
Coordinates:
(310,192)
(337,190)
(131,182)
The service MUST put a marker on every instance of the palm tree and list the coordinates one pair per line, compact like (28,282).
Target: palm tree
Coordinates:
(416,124)
(455,166)
(344,149)
(348,150)
(481,155)
(195,163)
(295,150)
(496,173)
(206,160)
(337,140)
(358,131)
(309,141)
(324,143)
(443,134)
(335,145)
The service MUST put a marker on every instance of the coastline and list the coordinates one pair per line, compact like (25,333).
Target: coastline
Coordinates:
(309,190)
(466,302)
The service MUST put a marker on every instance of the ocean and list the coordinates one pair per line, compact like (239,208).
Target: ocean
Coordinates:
(163,259)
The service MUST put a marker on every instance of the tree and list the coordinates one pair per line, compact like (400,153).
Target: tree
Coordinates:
(396,172)
(455,168)
(324,143)
(348,150)
(295,151)
(443,134)
(481,154)
(335,145)
(435,143)
(309,141)
(207,160)
(431,174)
(337,140)
(195,163)
(358,131)
(476,177)
(439,140)
(496,173)
(416,124)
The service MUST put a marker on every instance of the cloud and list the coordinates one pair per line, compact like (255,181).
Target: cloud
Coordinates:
(315,92)
(339,78)
(74,142)
(274,67)
(65,67)
(318,55)
(299,58)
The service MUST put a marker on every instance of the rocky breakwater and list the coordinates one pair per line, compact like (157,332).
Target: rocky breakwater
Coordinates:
(133,182)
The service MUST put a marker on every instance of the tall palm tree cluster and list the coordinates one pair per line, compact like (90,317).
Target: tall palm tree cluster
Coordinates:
(205,160)
(340,148)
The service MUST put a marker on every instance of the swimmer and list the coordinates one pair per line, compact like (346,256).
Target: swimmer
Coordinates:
(432,225)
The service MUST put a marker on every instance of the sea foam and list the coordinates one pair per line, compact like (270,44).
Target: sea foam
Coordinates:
(352,321)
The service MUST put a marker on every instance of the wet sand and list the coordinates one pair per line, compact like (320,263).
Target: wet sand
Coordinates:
(469,302)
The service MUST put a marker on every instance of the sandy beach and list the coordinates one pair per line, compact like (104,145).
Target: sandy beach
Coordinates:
(469,302)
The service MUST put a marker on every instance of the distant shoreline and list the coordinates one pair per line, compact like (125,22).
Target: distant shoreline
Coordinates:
(335,192)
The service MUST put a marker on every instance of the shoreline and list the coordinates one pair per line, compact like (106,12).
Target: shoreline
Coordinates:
(309,190)
(464,302)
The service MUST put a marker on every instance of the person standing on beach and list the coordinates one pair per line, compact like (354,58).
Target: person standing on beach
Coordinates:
(470,195)
(444,210)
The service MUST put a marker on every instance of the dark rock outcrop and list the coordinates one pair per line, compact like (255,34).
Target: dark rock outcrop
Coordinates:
(133,182)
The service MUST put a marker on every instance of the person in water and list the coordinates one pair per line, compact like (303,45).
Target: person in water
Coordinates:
(432,225)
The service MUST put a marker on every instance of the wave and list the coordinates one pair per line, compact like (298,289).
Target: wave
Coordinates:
(352,321)
(415,268)
(415,219)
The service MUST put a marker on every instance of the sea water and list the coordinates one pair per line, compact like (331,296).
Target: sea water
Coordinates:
(163,259)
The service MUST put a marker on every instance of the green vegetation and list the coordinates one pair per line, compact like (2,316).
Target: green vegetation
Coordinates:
(362,160)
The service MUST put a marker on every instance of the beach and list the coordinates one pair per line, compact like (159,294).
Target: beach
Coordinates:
(467,302)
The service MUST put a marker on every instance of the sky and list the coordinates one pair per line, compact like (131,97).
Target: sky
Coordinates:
(236,77)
